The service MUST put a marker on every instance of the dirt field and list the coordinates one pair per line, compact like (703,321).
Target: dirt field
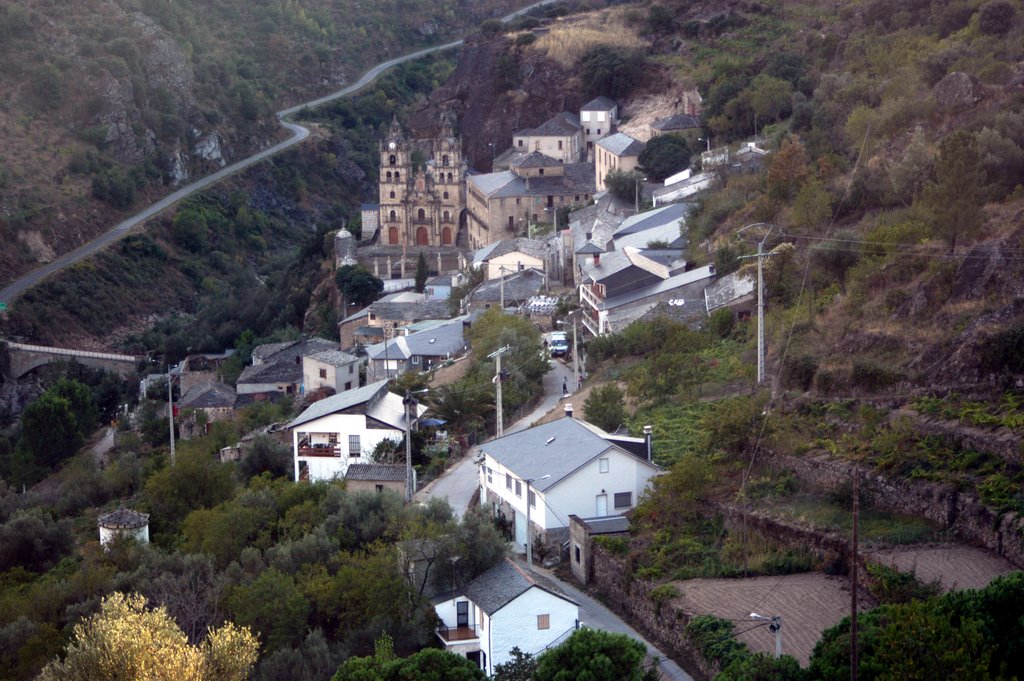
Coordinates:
(954,566)
(808,603)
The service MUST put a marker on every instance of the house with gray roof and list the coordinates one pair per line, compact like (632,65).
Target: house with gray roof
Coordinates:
(376,477)
(345,429)
(562,468)
(598,117)
(421,350)
(559,138)
(203,405)
(332,369)
(508,203)
(511,290)
(277,367)
(619,153)
(514,255)
(506,607)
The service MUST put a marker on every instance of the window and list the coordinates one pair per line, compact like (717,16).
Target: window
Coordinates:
(348,385)
(540,171)
(520,142)
(623,499)
(444,160)
(508,481)
(392,160)
(602,465)
(380,488)
(350,368)
(490,479)
(588,131)
(543,621)
(353,446)
(533,499)
(392,195)
(559,145)
(445,195)
(577,556)
(415,359)
(323,373)
(519,488)
(599,131)
(398,176)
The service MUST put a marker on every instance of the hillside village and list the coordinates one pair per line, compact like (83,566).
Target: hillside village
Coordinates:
(637,366)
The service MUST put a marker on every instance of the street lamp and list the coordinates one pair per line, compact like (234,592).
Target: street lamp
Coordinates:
(529,525)
(774,626)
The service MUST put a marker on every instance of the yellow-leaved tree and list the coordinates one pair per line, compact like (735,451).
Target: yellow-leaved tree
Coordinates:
(126,640)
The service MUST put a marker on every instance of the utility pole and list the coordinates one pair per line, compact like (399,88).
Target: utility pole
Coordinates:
(853,577)
(170,409)
(575,352)
(500,428)
(761,255)
(410,407)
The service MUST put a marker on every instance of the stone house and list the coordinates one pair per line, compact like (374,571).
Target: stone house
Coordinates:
(513,255)
(559,138)
(376,477)
(332,369)
(508,203)
(581,539)
(515,290)
(277,367)
(685,125)
(423,350)
(618,152)
(203,405)
(598,117)
(506,607)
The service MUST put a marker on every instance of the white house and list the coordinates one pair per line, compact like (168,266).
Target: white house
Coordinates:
(598,118)
(344,429)
(571,468)
(504,608)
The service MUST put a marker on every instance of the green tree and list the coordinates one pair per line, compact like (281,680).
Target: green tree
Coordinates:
(126,640)
(954,199)
(812,207)
(762,667)
(611,71)
(53,428)
(429,664)
(788,170)
(464,405)
(595,655)
(358,285)
(196,481)
(996,17)
(665,155)
(605,407)
(520,667)
(623,184)
(274,606)
(770,98)
(421,273)
(46,86)
(33,540)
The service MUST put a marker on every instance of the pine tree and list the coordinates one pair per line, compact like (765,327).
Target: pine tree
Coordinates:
(421,273)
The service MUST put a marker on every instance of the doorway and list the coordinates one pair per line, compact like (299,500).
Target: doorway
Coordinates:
(602,505)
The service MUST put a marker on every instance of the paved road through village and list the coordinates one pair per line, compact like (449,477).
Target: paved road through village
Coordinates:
(298,133)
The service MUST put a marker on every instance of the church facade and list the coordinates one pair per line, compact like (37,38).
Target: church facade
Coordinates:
(421,188)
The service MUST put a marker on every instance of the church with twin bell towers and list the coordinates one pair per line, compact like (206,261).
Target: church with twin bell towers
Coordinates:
(421,187)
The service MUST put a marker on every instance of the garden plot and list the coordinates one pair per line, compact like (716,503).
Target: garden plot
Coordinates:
(809,603)
(953,566)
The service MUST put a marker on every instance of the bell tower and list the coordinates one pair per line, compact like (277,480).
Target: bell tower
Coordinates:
(395,174)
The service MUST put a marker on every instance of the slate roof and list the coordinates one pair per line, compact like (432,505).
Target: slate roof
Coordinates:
(123,518)
(676,122)
(621,144)
(438,341)
(557,449)
(335,358)
(577,178)
(343,400)
(531,247)
(663,286)
(534,159)
(378,472)
(613,524)
(504,583)
(559,125)
(272,372)
(519,288)
(601,103)
(208,396)
(423,309)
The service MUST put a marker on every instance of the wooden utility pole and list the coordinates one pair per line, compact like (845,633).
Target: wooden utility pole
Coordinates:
(853,576)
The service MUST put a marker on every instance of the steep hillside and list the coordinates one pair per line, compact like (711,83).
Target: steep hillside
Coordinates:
(111,103)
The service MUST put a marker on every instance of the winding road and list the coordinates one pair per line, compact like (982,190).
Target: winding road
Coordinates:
(299,133)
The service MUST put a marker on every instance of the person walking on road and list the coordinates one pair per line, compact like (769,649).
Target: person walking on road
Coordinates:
(565,385)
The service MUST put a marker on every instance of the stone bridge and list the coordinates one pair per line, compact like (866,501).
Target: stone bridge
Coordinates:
(23,358)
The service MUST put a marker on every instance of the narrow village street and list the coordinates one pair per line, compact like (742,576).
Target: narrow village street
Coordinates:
(460,482)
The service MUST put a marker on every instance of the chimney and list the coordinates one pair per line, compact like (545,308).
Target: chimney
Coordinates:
(590,235)
(647,442)
(568,410)
(597,259)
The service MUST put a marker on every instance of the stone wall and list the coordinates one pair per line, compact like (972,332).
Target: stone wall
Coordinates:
(613,580)
(962,514)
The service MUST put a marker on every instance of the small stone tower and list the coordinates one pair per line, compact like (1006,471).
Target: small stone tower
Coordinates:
(124,522)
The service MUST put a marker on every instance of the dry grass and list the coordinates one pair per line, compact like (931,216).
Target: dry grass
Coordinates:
(568,41)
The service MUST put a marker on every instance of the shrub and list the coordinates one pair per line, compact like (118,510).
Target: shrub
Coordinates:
(996,18)
(890,585)
(799,372)
(1005,351)
(611,71)
(605,407)
(871,376)
(526,39)
(721,322)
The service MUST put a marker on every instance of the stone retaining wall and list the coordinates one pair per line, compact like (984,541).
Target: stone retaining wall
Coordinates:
(962,514)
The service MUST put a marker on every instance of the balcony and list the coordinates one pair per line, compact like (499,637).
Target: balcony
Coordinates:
(458,634)
(320,450)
